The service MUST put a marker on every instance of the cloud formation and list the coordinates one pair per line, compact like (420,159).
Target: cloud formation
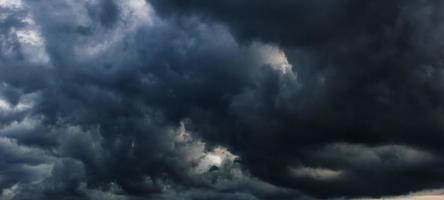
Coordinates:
(167,99)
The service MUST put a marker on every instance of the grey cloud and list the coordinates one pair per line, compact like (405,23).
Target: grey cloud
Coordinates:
(106,103)
(196,100)
(368,73)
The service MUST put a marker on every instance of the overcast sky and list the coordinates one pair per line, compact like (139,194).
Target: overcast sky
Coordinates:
(221,99)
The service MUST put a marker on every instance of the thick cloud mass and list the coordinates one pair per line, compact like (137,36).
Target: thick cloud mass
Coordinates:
(368,78)
(198,99)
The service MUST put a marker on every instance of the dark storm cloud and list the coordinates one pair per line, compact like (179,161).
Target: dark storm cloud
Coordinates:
(291,22)
(101,88)
(220,100)
(368,74)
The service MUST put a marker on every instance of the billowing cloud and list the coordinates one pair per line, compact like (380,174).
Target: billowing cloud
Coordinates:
(166,99)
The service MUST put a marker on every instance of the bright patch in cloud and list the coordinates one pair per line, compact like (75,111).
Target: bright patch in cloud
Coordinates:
(273,56)
(195,152)
(11,4)
(315,173)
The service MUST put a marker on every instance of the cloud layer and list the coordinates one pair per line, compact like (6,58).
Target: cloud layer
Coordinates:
(168,99)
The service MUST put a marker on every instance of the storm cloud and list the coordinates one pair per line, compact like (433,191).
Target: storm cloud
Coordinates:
(170,99)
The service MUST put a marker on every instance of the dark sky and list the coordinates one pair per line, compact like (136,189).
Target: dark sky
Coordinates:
(221,99)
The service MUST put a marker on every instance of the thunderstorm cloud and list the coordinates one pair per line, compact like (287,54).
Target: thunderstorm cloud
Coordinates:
(221,99)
